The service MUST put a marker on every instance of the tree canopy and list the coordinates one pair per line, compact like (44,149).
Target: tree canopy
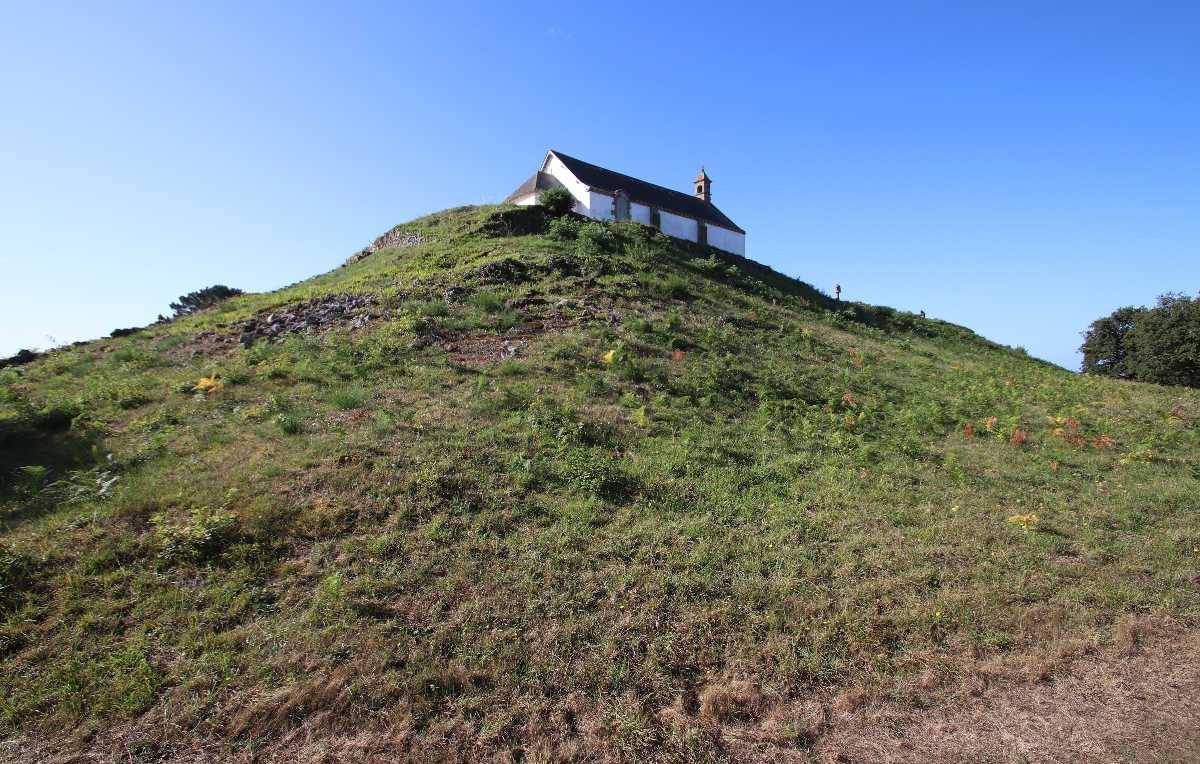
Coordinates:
(202,298)
(1158,344)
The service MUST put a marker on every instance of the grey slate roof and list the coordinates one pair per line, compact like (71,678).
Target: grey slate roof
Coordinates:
(667,199)
(539,181)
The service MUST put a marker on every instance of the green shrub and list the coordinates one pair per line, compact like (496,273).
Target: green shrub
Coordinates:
(595,473)
(429,308)
(196,538)
(557,201)
(347,398)
(288,423)
(138,358)
(382,423)
(488,302)
(673,287)
(29,480)
(82,485)
(565,228)
(594,242)
(16,576)
(510,367)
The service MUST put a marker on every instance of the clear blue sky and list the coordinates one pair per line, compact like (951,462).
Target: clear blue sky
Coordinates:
(1021,168)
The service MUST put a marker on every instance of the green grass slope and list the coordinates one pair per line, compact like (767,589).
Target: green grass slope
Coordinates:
(566,491)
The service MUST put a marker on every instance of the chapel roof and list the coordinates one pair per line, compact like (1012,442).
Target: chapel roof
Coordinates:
(670,200)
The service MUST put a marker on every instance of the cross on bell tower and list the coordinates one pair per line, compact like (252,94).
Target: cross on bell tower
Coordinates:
(704,185)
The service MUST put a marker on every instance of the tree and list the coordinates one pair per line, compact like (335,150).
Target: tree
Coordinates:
(1164,343)
(202,298)
(557,200)
(1159,344)
(1104,350)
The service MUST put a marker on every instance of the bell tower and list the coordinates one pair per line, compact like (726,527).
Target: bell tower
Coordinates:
(703,185)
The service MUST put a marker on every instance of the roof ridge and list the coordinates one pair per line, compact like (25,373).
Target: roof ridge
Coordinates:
(622,174)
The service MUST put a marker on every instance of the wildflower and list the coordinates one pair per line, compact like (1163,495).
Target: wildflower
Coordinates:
(208,385)
(954,508)
(1103,442)
(609,357)
(848,399)
(1019,437)
(677,355)
(1028,521)
(642,417)
(968,430)
(990,423)
(1054,466)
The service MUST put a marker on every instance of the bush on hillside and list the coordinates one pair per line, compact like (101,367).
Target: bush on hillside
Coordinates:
(594,241)
(514,221)
(564,228)
(1159,344)
(203,298)
(557,201)
(20,358)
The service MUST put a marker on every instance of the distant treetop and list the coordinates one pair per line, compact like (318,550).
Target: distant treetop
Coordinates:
(203,298)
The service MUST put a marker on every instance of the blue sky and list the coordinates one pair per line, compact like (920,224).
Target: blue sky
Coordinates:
(1018,168)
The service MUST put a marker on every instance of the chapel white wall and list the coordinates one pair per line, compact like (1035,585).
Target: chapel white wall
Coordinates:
(729,241)
(599,206)
(639,213)
(677,226)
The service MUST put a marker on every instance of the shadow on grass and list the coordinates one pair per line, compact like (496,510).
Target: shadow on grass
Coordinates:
(36,448)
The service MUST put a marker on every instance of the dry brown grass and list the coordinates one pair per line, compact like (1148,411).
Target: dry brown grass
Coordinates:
(723,701)
(1099,706)
(1136,699)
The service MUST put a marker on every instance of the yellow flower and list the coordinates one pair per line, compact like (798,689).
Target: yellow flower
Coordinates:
(1026,521)
(609,357)
(208,385)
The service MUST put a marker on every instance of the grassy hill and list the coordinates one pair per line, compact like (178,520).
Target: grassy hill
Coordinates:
(547,490)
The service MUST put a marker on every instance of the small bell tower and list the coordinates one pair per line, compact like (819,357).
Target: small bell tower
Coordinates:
(703,185)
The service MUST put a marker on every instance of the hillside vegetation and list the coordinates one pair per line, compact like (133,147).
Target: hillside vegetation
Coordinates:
(546,489)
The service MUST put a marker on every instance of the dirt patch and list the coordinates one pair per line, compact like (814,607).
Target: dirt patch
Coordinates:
(482,348)
(1131,703)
